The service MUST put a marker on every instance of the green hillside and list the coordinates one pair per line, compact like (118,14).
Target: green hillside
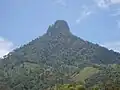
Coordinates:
(54,58)
(85,73)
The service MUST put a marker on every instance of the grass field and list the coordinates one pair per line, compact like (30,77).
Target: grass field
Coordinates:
(85,73)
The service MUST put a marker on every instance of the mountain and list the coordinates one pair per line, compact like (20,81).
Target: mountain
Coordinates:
(52,58)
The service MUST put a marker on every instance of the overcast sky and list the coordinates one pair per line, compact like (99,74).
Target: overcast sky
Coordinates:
(21,21)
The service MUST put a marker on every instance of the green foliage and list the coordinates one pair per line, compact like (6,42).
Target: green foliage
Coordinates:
(70,87)
(95,88)
(80,87)
(107,77)
(85,73)
(53,59)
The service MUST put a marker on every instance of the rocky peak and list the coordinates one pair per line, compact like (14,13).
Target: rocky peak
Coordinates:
(60,26)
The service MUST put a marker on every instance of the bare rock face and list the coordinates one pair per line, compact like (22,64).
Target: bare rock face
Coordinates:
(59,27)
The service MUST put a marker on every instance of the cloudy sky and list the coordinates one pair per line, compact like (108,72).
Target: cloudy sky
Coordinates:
(97,21)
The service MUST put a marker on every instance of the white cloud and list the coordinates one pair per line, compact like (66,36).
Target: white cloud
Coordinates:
(61,2)
(113,46)
(106,3)
(5,46)
(84,14)
(102,3)
(115,1)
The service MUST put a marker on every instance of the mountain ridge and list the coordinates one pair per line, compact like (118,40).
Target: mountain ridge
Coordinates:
(58,53)
(60,33)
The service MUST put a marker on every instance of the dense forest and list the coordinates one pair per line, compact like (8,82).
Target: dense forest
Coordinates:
(59,60)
